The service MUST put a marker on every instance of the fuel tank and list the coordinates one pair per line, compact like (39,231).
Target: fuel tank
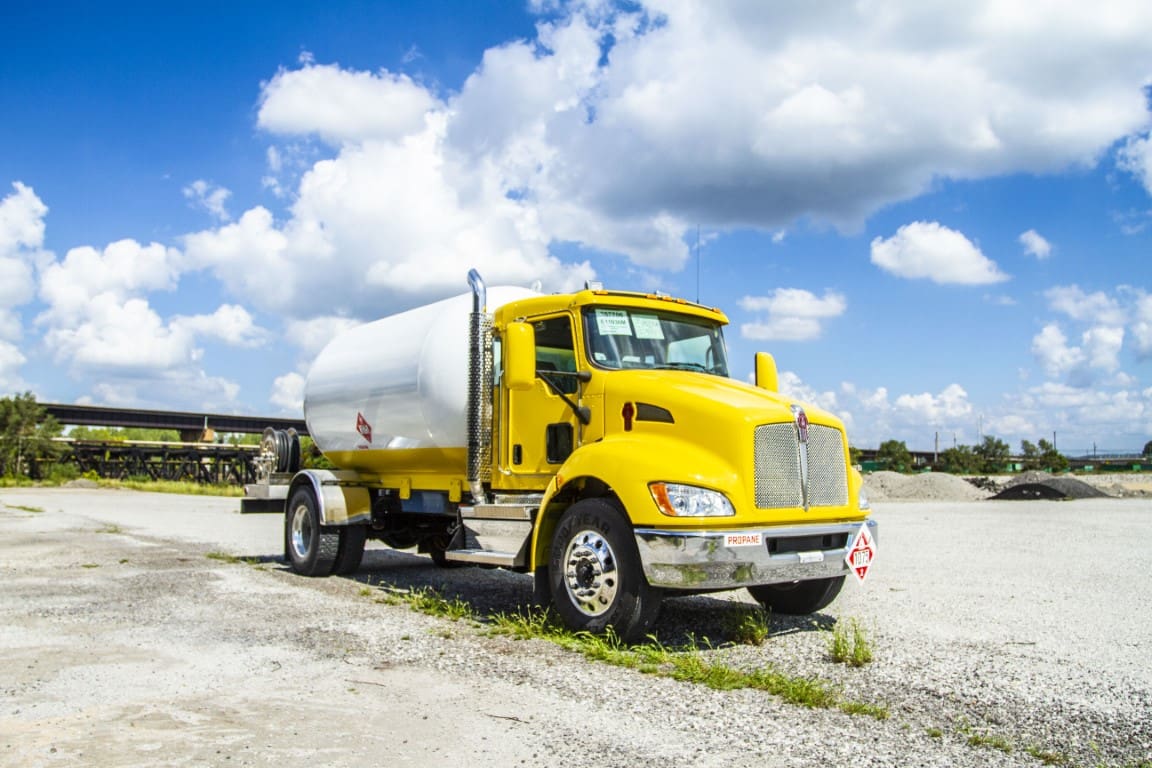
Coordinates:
(398,384)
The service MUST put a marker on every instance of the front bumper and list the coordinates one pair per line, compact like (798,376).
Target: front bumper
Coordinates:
(693,560)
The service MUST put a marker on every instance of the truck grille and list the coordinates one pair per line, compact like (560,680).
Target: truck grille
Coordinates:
(777,469)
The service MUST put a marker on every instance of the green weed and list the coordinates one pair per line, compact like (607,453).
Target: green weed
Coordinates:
(849,644)
(751,625)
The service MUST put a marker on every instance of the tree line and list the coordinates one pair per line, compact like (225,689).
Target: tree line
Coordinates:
(991,456)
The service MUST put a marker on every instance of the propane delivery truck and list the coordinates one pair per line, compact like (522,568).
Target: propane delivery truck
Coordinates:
(593,439)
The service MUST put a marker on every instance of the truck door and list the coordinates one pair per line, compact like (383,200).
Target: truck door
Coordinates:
(540,428)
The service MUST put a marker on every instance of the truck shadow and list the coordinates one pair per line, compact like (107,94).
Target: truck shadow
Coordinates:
(490,592)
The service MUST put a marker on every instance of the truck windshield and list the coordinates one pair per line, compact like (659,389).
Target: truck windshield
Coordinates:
(627,337)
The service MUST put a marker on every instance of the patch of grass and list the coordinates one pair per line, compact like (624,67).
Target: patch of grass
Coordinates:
(687,664)
(431,602)
(1047,757)
(750,625)
(990,740)
(878,711)
(23,508)
(366,591)
(849,644)
(114,529)
(935,733)
(227,557)
(171,486)
(90,565)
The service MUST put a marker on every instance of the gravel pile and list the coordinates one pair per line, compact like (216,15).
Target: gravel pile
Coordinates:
(928,486)
(1041,485)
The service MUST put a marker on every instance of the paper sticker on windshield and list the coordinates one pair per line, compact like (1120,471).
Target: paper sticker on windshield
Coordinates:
(613,322)
(647,327)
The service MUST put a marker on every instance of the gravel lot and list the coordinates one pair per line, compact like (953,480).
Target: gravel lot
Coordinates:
(124,644)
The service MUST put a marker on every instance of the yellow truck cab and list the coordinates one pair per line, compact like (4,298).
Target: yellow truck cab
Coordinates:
(605,449)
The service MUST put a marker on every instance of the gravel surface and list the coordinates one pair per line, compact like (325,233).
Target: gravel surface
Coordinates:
(124,644)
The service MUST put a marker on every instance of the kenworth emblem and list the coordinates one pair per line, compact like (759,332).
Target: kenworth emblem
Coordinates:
(801,420)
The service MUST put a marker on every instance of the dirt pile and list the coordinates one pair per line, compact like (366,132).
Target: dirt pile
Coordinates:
(927,486)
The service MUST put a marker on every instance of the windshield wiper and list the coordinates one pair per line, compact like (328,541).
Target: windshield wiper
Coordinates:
(685,366)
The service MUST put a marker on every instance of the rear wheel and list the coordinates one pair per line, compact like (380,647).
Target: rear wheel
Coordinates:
(595,575)
(310,548)
(350,551)
(798,597)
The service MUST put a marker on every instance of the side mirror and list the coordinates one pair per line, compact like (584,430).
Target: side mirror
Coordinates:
(519,356)
(766,376)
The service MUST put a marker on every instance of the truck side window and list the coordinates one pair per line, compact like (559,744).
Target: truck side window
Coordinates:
(555,350)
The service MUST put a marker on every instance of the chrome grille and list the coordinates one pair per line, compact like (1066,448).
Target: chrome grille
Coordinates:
(777,468)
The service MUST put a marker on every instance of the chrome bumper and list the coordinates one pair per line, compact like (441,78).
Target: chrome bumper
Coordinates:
(705,560)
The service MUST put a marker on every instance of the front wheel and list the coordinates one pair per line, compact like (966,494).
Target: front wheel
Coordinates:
(799,597)
(310,548)
(595,575)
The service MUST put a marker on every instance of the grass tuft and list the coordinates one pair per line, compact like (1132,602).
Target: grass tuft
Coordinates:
(24,508)
(849,644)
(750,625)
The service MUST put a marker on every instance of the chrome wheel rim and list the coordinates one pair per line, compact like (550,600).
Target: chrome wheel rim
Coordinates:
(301,530)
(590,573)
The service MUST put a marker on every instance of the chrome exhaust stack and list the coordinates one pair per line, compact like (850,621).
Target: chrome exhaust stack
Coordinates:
(479,407)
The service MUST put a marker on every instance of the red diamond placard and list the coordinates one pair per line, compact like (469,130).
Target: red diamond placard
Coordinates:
(861,553)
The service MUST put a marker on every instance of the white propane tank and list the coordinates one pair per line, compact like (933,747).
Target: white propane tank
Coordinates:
(400,382)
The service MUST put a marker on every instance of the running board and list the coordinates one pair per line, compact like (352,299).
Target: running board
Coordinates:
(494,534)
(482,557)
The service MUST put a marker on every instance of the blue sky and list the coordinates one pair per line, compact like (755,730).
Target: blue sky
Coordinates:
(935,214)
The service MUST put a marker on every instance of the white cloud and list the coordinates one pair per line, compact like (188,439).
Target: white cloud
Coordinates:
(381,227)
(1096,307)
(928,250)
(949,406)
(288,392)
(794,314)
(621,130)
(99,323)
(21,221)
(313,335)
(1135,157)
(11,359)
(209,197)
(1035,244)
(1142,326)
(230,324)
(1099,350)
(1050,347)
(124,268)
(343,105)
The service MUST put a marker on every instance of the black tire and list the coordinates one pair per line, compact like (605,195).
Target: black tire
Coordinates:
(350,551)
(309,548)
(595,575)
(798,598)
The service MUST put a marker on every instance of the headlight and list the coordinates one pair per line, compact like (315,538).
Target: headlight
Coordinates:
(863,499)
(689,501)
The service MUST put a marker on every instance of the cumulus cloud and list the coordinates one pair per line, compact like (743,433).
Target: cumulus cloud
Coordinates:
(209,197)
(1098,351)
(1035,244)
(22,252)
(99,323)
(1135,157)
(793,314)
(619,128)
(928,250)
(1096,307)
(288,392)
(341,105)
(950,405)
(380,228)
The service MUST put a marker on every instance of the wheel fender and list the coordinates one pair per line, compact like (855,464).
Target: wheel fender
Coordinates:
(339,502)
